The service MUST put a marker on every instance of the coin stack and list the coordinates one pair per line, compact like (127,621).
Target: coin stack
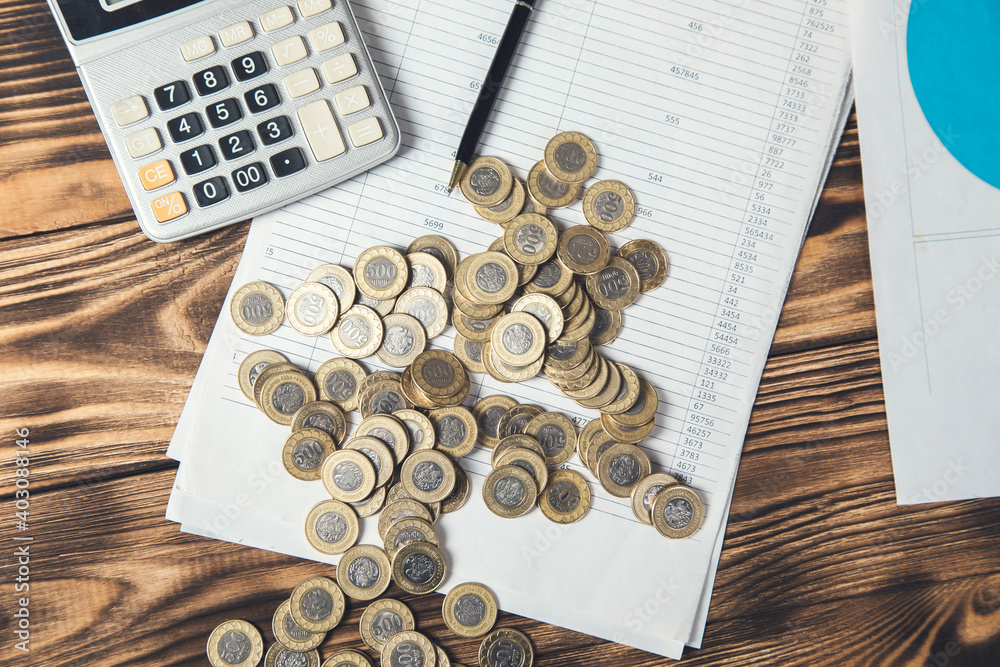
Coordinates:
(388,627)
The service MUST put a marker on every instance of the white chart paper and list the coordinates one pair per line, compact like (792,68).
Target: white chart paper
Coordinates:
(720,116)
(934,232)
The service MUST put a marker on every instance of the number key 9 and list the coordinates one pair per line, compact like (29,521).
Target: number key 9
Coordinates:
(249,66)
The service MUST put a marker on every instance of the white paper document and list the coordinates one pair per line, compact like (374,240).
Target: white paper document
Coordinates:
(934,232)
(720,116)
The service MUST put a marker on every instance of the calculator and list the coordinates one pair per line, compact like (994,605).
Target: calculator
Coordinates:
(219,110)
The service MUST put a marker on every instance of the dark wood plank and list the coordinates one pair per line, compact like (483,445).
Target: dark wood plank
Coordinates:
(55,169)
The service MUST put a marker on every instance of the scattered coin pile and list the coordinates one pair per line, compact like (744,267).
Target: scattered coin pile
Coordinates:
(388,627)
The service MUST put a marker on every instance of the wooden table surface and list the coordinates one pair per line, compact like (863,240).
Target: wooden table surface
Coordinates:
(101,334)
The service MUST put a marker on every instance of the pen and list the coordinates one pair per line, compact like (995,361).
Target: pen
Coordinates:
(490,89)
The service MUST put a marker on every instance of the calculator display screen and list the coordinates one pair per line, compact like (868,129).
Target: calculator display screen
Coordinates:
(90,18)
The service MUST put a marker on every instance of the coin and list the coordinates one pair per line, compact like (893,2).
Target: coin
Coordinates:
(587,433)
(371,504)
(487,412)
(271,369)
(288,633)
(545,308)
(628,434)
(492,277)
(323,415)
(570,157)
(621,468)
(317,604)
(338,380)
(304,453)
(381,272)
(516,419)
(518,338)
(409,530)
(556,433)
(506,210)
(419,399)
(428,475)
(509,491)
(279,656)
(283,394)
(614,287)
(610,391)
(579,326)
(470,610)
(548,190)
(438,374)
(600,443)
(526,460)
(645,492)
(566,498)
(677,512)
(628,393)
(257,308)
(583,249)
(338,279)
(476,310)
(235,644)
(358,333)
(251,367)
(331,528)
(506,648)
(404,338)
(427,305)
(532,206)
(363,572)
(566,356)
(347,658)
(505,372)
(516,441)
(607,326)
(426,270)
(642,410)
(397,510)
(594,383)
(609,206)
(419,428)
(649,260)
(382,619)
(460,493)
(474,329)
(455,430)
(380,456)
(552,278)
(348,476)
(439,247)
(442,657)
(312,309)
(530,238)
(382,307)
(408,648)
(389,429)
(487,181)
(397,492)
(470,353)
(418,568)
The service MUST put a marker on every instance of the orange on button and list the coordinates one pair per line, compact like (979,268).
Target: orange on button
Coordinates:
(168,207)
(156,175)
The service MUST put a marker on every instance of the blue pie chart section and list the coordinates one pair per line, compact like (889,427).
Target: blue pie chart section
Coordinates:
(953,49)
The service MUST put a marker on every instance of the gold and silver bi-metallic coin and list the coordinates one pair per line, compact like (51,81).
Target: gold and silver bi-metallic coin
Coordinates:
(358,333)
(548,190)
(609,206)
(677,512)
(649,260)
(317,604)
(566,498)
(418,568)
(570,157)
(312,309)
(470,610)
(363,572)
(257,308)
(487,181)
(382,619)
(332,528)
(235,644)
(381,272)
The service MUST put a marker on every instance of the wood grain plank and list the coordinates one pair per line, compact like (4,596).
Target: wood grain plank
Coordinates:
(55,169)
(114,583)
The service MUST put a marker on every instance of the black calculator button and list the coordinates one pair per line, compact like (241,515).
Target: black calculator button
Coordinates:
(223,113)
(211,80)
(262,99)
(236,145)
(288,162)
(249,66)
(211,191)
(250,177)
(185,127)
(274,130)
(172,95)
(198,159)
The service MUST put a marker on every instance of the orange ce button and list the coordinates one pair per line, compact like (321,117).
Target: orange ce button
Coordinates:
(156,175)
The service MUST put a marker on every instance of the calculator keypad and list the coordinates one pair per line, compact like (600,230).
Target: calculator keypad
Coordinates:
(242,72)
